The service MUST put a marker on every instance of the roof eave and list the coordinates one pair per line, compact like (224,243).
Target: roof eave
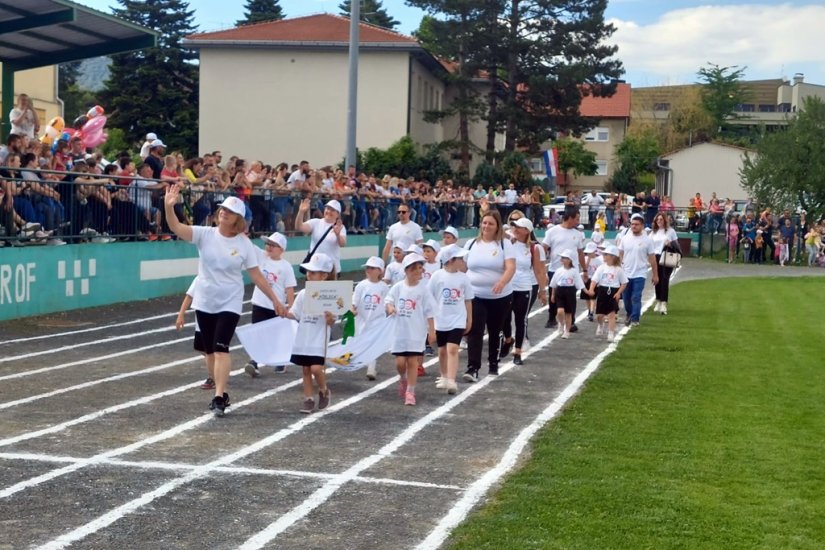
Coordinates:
(304,44)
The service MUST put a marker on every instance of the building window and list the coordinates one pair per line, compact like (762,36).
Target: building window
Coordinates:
(746,108)
(597,134)
(536,165)
(763,108)
(661,106)
(601,167)
(784,107)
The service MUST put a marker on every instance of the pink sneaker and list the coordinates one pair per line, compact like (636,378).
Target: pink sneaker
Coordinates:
(402,387)
(409,398)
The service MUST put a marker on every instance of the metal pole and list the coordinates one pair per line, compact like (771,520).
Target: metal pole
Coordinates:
(7,99)
(352,105)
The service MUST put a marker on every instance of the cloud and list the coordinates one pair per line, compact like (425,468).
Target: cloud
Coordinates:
(766,38)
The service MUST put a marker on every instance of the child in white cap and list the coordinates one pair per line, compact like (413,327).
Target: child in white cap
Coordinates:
(279,274)
(414,308)
(566,280)
(310,347)
(592,261)
(453,295)
(431,249)
(368,301)
(394,272)
(607,285)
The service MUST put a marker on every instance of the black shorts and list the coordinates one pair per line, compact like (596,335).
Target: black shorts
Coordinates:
(262,314)
(198,343)
(306,360)
(606,302)
(583,293)
(217,330)
(409,354)
(566,298)
(444,337)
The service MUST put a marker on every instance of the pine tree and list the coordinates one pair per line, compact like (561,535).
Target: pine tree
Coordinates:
(258,11)
(156,89)
(372,12)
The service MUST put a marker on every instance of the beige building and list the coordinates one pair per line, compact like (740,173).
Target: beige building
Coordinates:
(277,91)
(41,85)
(705,168)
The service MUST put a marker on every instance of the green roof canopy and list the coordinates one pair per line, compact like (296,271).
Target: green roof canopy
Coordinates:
(38,33)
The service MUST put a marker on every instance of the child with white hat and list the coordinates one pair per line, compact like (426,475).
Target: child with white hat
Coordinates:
(368,301)
(566,280)
(607,285)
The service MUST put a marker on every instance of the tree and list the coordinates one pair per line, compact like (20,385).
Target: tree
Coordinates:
(575,158)
(788,168)
(372,12)
(156,89)
(722,92)
(636,156)
(76,101)
(258,11)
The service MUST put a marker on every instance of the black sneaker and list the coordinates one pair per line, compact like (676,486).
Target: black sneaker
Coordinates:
(517,359)
(590,316)
(551,323)
(470,376)
(505,347)
(627,322)
(226,400)
(429,351)
(492,369)
(574,328)
(218,405)
(251,369)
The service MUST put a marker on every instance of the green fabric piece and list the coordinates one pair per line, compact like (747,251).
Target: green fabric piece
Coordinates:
(348,326)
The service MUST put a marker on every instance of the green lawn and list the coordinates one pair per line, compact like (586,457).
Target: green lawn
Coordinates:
(706,429)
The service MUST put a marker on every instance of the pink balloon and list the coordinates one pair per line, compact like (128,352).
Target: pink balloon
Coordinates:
(94,140)
(94,125)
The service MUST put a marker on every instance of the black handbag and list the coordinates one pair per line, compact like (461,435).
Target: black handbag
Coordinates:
(308,257)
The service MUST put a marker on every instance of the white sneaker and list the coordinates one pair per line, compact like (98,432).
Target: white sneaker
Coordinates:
(452,387)
(611,336)
(441,384)
(561,328)
(663,309)
(599,330)
(565,335)
(656,307)
(55,242)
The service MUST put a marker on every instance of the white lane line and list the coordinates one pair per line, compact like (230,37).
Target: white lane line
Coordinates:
(230,470)
(92,329)
(482,485)
(324,493)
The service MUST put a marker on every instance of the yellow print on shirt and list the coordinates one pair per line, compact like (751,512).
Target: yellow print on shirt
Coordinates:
(233,252)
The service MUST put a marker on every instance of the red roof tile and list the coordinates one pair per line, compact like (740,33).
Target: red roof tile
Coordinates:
(616,106)
(312,28)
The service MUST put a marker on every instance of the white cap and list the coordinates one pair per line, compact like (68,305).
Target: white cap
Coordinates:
(402,244)
(151,136)
(157,143)
(597,237)
(524,223)
(432,243)
(567,254)
(276,239)
(611,249)
(374,261)
(235,205)
(580,227)
(451,230)
(334,204)
(452,251)
(319,262)
(414,249)
(590,247)
(637,216)
(411,259)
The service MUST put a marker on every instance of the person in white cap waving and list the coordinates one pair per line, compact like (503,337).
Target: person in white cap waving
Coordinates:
(327,234)
(223,253)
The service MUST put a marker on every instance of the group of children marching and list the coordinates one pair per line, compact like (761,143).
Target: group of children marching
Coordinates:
(427,291)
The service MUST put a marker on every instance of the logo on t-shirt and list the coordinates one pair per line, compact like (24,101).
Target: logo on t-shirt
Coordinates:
(406,307)
(270,276)
(371,302)
(233,251)
(566,281)
(450,296)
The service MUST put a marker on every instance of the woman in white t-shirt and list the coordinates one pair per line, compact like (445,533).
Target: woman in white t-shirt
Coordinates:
(224,252)
(24,120)
(491,264)
(329,231)
(663,236)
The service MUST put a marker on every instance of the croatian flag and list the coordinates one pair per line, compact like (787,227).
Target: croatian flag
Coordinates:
(551,163)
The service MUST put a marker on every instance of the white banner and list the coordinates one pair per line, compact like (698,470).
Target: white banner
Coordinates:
(269,342)
(368,344)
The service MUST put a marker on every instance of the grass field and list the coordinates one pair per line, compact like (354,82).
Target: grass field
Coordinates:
(706,429)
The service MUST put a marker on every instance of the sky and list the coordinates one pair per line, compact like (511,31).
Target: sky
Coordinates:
(660,41)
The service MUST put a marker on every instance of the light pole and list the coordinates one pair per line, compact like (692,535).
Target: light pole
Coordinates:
(352,101)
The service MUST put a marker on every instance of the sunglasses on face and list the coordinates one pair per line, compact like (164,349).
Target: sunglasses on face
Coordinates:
(403,211)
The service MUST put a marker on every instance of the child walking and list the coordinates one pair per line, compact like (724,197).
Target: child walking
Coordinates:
(453,295)
(592,263)
(368,301)
(607,284)
(209,383)
(414,307)
(281,278)
(311,339)
(394,272)
(565,282)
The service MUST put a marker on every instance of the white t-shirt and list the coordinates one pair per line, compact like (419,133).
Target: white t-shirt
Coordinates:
(636,250)
(564,277)
(191,292)
(280,276)
(369,302)
(220,269)
(296,176)
(330,246)
(142,195)
(525,277)
(393,273)
(510,196)
(413,306)
(609,276)
(144,149)
(450,291)
(559,239)
(661,237)
(592,265)
(409,231)
(485,266)
(312,334)
(25,127)
(429,269)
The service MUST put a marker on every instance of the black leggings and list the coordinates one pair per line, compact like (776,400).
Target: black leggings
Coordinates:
(523,301)
(489,313)
(663,286)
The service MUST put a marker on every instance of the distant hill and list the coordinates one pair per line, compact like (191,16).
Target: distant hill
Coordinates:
(93,74)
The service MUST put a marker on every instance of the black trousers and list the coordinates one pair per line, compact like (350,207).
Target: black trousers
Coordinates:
(523,301)
(663,286)
(552,308)
(489,314)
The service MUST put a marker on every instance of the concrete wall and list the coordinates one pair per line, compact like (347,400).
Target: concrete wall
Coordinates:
(426,93)
(706,168)
(281,105)
(605,151)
